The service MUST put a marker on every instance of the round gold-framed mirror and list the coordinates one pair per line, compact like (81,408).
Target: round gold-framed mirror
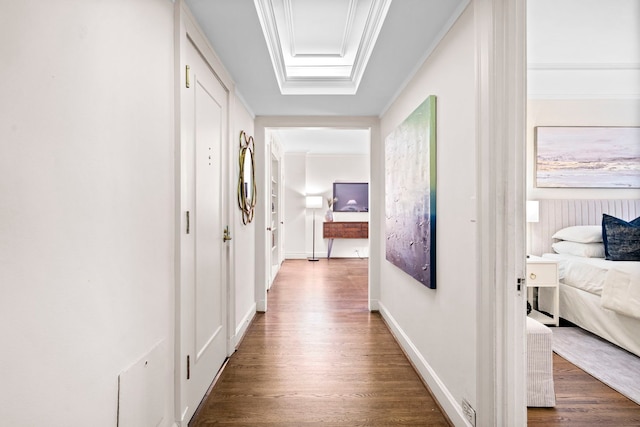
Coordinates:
(247,178)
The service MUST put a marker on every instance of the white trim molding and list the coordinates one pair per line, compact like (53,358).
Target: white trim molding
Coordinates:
(334,72)
(436,386)
(594,80)
(500,138)
(583,66)
(243,326)
(187,31)
(376,197)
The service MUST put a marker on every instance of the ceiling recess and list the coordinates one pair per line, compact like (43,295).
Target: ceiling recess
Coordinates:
(320,47)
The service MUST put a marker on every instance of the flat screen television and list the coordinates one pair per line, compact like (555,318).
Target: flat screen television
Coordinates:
(351,197)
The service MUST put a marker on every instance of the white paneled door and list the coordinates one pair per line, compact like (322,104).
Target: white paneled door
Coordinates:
(203,299)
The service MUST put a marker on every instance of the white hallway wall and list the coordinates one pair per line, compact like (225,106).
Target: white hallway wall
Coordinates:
(439,326)
(244,235)
(295,240)
(314,174)
(86,207)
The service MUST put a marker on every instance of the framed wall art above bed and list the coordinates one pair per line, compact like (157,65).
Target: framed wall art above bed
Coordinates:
(587,157)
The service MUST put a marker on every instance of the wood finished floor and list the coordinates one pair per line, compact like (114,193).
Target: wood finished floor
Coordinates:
(319,357)
(583,401)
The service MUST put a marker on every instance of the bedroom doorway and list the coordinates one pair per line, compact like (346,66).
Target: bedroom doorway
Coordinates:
(579,76)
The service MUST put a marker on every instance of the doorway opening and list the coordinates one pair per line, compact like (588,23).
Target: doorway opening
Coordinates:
(302,160)
(308,164)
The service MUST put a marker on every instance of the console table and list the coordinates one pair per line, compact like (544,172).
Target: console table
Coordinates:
(344,230)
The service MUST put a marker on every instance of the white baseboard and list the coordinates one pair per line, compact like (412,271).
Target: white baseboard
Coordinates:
(374,305)
(446,400)
(242,327)
(295,255)
(300,255)
(323,254)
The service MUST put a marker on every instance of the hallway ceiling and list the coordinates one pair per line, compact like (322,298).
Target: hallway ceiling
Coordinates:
(409,33)
(320,47)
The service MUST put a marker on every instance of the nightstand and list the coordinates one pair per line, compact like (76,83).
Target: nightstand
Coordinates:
(543,273)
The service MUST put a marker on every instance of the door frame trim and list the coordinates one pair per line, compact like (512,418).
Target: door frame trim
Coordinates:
(186,30)
(501,146)
(370,123)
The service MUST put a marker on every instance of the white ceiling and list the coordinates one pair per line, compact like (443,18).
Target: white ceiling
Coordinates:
(411,30)
(320,47)
(576,49)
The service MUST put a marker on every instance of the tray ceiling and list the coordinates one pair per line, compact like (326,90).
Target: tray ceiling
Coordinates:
(320,47)
(408,33)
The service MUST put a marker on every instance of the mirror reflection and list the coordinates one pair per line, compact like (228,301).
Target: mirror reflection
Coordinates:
(246,179)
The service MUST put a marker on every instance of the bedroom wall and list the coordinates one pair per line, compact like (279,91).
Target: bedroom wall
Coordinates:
(315,174)
(87,207)
(244,235)
(577,112)
(583,61)
(438,327)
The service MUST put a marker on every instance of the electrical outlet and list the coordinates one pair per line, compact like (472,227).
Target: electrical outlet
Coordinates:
(469,412)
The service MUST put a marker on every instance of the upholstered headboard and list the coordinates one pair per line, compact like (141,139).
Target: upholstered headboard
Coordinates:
(557,214)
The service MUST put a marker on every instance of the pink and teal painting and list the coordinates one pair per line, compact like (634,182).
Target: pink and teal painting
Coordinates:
(410,200)
(587,157)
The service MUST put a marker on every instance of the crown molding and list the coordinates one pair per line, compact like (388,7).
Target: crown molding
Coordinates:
(583,66)
(333,73)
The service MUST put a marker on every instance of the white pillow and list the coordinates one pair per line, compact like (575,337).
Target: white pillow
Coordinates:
(580,234)
(587,250)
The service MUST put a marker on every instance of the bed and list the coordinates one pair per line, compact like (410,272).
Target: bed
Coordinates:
(596,294)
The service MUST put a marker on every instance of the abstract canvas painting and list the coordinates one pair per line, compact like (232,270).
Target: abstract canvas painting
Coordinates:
(587,157)
(410,200)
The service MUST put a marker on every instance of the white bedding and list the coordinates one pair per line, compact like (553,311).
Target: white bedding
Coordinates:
(621,292)
(617,282)
(588,274)
(614,316)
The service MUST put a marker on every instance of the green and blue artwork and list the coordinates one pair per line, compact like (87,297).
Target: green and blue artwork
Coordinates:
(410,200)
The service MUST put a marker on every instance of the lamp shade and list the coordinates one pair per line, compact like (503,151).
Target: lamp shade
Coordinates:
(533,211)
(313,202)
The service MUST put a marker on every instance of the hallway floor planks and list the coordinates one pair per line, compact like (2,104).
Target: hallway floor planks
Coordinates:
(319,357)
(582,401)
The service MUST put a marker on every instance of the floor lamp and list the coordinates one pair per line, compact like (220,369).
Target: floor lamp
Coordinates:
(313,202)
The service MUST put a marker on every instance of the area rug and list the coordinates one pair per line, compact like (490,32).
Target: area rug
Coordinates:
(610,364)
